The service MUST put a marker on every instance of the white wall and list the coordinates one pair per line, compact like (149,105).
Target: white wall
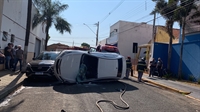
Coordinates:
(114,30)
(102,42)
(130,32)
(14,22)
(38,32)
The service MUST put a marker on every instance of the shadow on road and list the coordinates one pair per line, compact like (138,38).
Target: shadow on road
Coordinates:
(40,82)
(96,87)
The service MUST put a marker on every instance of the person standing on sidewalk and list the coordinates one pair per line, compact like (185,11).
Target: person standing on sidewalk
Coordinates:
(152,67)
(12,60)
(14,56)
(159,67)
(7,52)
(128,66)
(2,58)
(141,67)
(19,57)
(2,55)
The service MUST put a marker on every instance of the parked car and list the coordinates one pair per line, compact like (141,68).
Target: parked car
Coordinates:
(42,65)
(74,65)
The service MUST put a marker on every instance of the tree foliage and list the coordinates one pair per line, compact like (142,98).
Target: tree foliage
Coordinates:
(48,14)
(85,45)
(182,13)
(167,10)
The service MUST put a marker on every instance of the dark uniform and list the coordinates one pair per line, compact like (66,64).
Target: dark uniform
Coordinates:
(98,48)
(152,68)
(128,67)
(140,68)
(159,67)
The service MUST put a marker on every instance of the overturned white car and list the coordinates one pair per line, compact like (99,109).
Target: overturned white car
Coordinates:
(80,66)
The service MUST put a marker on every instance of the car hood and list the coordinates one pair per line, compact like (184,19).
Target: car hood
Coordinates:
(41,62)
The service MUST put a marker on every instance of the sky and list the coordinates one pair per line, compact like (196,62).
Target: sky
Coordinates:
(89,12)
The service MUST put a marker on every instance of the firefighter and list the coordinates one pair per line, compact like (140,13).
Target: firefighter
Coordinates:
(128,66)
(141,67)
(152,67)
(159,67)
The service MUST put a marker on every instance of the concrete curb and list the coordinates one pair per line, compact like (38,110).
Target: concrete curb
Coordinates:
(10,90)
(188,96)
(166,87)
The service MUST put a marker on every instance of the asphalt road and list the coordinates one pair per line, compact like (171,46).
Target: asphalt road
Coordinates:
(46,95)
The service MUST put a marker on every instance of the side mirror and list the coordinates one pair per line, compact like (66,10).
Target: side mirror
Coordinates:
(33,58)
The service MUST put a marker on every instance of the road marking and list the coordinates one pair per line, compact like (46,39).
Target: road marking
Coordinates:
(9,98)
(192,98)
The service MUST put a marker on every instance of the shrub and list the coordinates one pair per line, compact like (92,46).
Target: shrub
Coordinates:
(199,81)
(191,78)
(167,76)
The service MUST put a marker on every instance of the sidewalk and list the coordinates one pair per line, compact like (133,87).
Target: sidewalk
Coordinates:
(191,91)
(9,82)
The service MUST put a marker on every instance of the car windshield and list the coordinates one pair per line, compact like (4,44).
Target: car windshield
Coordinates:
(47,56)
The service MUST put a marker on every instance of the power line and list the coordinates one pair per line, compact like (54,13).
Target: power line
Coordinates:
(134,14)
(128,12)
(152,19)
(160,16)
(155,18)
(142,17)
(133,9)
(112,11)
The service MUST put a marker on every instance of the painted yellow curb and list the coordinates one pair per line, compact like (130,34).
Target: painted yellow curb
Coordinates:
(192,98)
(164,86)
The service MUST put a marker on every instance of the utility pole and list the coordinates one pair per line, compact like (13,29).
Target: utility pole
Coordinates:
(1,15)
(28,27)
(97,33)
(154,31)
(153,35)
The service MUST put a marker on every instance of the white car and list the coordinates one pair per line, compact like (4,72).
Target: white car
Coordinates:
(74,65)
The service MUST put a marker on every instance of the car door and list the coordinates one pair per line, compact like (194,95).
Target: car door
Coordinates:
(107,68)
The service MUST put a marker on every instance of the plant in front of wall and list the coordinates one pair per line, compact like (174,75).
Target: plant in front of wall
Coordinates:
(191,78)
(198,80)
(168,75)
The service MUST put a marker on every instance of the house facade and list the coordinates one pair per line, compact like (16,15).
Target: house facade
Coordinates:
(191,51)
(13,19)
(123,34)
(190,54)
(162,36)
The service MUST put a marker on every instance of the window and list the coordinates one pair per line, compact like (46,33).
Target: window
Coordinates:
(112,33)
(12,38)
(47,56)
(5,36)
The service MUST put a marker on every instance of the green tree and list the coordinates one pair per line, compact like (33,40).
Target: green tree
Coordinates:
(182,12)
(167,10)
(48,14)
(85,45)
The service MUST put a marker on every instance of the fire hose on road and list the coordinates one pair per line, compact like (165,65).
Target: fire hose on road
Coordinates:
(113,103)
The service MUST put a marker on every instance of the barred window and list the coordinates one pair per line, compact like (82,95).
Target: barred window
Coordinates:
(5,36)
(12,38)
